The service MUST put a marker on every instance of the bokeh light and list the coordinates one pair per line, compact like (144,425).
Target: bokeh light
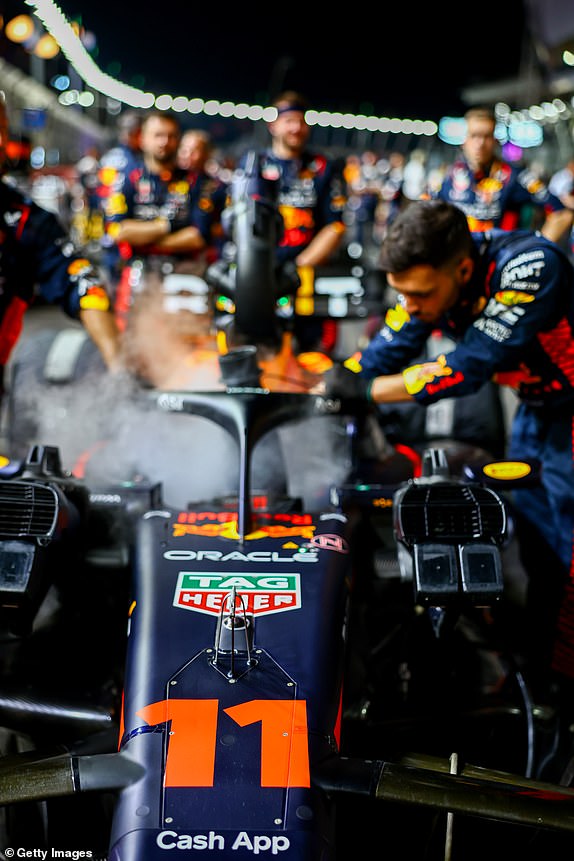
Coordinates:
(47,48)
(20,28)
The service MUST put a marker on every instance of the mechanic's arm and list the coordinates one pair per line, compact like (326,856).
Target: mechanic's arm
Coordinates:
(557,224)
(187,239)
(345,381)
(102,329)
(158,232)
(138,233)
(388,389)
(567,200)
(322,246)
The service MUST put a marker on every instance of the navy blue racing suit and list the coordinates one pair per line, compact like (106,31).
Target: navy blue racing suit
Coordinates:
(495,197)
(185,199)
(514,324)
(37,257)
(117,164)
(312,193)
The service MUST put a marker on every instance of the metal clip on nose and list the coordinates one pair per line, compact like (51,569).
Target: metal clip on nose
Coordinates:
(230,626)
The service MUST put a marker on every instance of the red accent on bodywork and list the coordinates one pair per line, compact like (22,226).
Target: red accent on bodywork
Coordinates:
(79,468)
(414,458)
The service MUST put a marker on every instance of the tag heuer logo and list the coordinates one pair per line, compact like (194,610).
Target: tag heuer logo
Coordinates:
(260,593)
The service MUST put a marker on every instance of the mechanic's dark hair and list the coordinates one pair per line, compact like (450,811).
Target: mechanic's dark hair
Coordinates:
(161,115)
(481,112)
(203,136)
(291,100)
(431,232)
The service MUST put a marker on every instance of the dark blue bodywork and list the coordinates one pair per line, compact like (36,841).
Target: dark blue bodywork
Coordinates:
(264,711)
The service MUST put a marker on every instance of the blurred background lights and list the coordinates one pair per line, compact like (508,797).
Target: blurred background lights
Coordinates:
(255,112)
(47,48)
(195,106)
(451,130)
(525,134)
(75,43)
(241,111)
(521,128)
(511,152)
(180,104)
(86,99)
(163,102)
(20,28)
(69,97)
(38,157)
(226,109)
(211,108)
(60,82)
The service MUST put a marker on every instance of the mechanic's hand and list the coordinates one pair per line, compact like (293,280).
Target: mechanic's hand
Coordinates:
(340,382)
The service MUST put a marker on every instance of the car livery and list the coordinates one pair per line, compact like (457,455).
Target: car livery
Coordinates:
(228,730)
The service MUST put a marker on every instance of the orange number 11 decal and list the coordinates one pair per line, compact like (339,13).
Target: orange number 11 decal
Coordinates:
(192,741)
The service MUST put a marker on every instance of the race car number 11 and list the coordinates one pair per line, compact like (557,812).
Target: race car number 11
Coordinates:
(192,740)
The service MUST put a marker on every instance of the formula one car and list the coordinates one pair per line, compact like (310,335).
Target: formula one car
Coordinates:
(256,672)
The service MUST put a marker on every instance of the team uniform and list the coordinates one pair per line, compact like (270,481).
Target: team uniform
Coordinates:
(515,325)
(495,197)
(117,164)
(561,184)
(311,195)
(185,199)
(121,159)
(36,256)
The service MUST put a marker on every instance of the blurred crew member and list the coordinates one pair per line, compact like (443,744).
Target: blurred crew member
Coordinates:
(207,191)
(36,253)
(115,164)
(312,199)
(493,193)
(126,154)
(155,216)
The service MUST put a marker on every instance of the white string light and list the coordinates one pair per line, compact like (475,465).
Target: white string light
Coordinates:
(56,23)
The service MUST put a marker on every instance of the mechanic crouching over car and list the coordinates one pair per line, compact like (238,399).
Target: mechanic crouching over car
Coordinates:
(36,253)
(507,297)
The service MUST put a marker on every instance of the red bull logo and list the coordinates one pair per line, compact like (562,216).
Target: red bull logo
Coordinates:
(224,525)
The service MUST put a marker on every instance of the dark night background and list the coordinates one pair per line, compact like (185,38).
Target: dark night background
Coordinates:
(391,60)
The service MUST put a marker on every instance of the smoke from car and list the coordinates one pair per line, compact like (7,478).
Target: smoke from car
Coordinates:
(110,431)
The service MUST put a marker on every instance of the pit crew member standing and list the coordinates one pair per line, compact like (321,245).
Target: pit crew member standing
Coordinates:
(208,192)
(37,255)
(154,215)
(491,192)
(117,162)
(508,299)
(312,199)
